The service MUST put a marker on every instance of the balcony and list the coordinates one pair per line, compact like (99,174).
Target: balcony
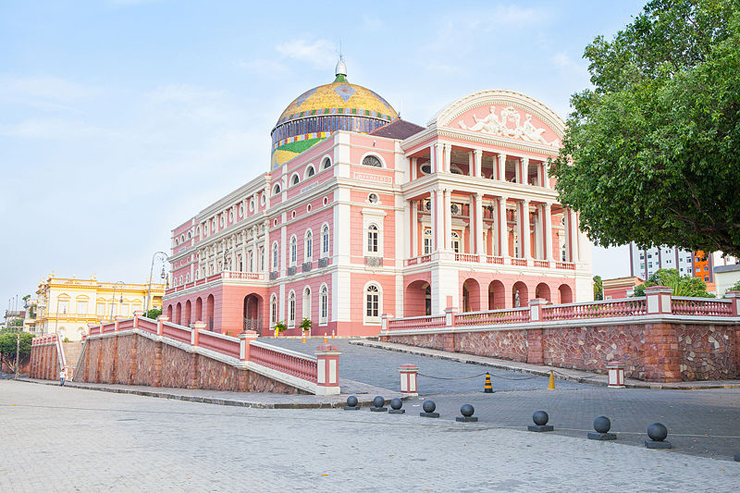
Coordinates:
(489,259)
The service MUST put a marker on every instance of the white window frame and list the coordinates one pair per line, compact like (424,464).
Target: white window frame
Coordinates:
(308,246)
(291,309)
(374,317)
(293,250)
(273,310)
(324,305)
(325,243)
(306,306)
(275,256)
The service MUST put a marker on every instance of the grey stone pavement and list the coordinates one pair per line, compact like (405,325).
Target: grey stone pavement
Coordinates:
(71,439)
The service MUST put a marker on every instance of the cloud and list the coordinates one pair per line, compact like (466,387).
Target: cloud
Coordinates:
(192,102)
(320,53)
(55,128)
(46,93)
(565,62)
(263,67)
(372,23)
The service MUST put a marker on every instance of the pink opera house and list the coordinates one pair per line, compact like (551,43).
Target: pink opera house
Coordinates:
(364,214)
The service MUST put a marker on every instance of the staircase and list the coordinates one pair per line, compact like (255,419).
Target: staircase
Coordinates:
(72,352)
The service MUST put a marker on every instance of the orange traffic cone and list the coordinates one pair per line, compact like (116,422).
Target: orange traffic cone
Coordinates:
(325,339)
(333,334)
(304,337)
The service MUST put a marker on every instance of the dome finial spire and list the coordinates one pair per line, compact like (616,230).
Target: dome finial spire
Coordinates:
(341,69)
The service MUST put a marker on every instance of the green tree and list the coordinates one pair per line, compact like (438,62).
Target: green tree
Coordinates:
(8,341)
(650,153)
(153,313)
(681,285)
(598,288)
(735,287)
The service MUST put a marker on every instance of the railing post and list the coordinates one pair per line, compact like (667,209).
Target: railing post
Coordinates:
(384,322)
(115,323)
(160,324)
(244,339)
(450,316)
(137,314)
(658,300)
(408,379)
(194,334)
(327,370)
(535,309)
(734,297)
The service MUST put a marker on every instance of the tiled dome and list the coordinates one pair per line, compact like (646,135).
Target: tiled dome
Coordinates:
(318,112)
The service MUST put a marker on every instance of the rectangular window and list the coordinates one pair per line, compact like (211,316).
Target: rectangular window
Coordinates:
(100,309)
(63,306)
(82,307)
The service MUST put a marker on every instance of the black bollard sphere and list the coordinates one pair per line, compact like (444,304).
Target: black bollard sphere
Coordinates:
(352,401)
(657,432)
(467,410)
(429,406)
(396,403)
(602,424)
(540,418)
(378,401)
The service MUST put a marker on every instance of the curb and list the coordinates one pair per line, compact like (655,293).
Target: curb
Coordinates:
(200,399)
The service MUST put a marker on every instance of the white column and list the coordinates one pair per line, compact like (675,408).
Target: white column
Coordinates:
(439,220)
(547,217)
(412,171)
(500,172)
(502,229)
(471,164)
(438,157)
(448,217)
(575,230)
(525,170)
(478,157)
(414,228)
(433,158)
(525,230)
(479,250)
(448,157)
(266,244)
(545,175)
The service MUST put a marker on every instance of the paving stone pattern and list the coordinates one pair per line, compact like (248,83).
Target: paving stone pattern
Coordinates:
(68,439)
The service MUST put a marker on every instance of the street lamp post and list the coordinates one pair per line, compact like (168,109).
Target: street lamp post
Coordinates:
(151,272)
(113,300)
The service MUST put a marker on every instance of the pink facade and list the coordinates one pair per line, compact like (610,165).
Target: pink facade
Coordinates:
(460,214)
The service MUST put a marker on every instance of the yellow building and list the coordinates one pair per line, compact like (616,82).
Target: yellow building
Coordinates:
(65,306)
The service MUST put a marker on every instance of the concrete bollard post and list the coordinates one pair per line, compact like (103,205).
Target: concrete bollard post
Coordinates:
(615,369)
(450,316)
(160,324)
(194,334)
(384,322)
(244,340)
(408,374)
(658,300)
(327,370)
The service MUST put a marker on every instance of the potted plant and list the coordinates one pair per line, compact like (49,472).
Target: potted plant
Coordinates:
(280,327)
(306,324)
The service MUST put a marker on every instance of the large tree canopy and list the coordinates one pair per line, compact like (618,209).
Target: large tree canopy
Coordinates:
(652,152)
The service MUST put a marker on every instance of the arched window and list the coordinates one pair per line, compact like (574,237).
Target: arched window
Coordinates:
(326,163)
(307,303)
(262,259)
(291,309)
(293,250)
(273,310)
(372,239)
(276,189)
(456,241)
(308,246)
(250,264)
(372,161)
(275,256)
(372,303)
(295,180)
(325,240)
(427,241)
(310,172)
(324,305)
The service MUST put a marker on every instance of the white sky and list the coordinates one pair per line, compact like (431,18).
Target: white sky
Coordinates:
(120,119)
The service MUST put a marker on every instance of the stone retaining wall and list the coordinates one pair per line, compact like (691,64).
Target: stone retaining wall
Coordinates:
(129,358)
(660,351)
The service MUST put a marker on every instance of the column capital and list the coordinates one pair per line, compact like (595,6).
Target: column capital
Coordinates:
(524,160)
(478,195)
(477,150)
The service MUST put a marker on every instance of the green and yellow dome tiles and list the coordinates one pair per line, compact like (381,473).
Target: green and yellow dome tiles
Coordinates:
(318,112)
